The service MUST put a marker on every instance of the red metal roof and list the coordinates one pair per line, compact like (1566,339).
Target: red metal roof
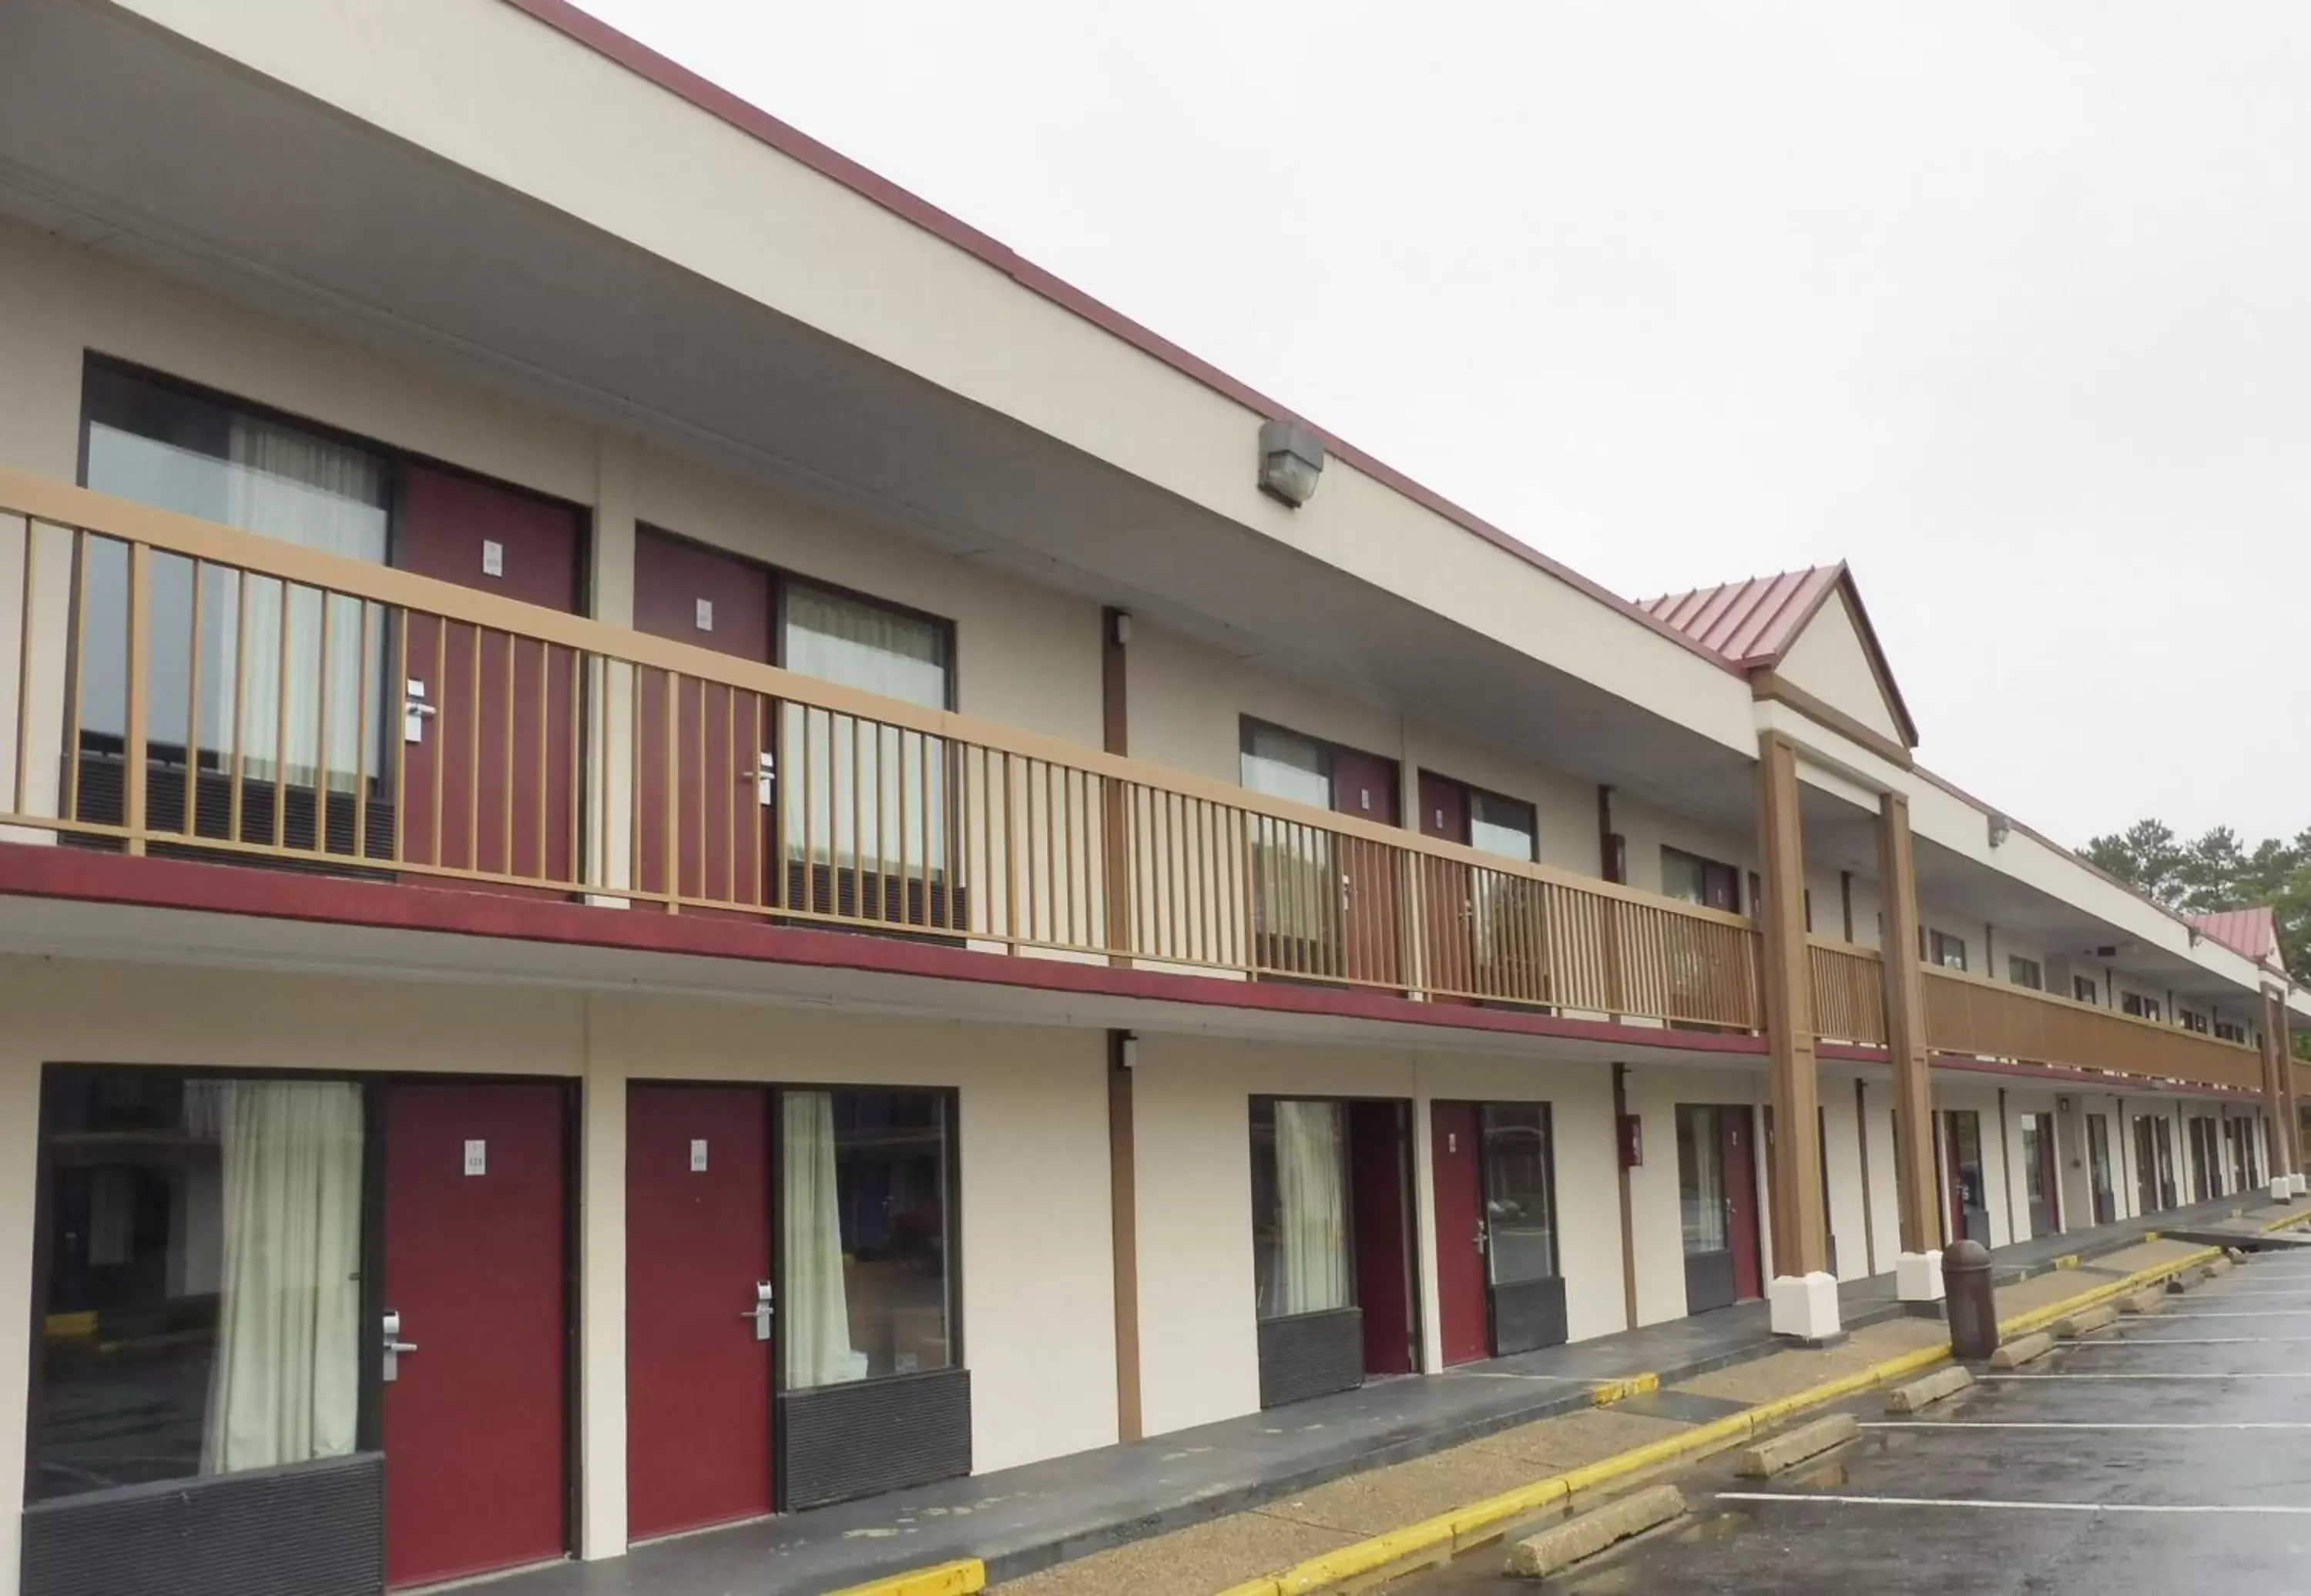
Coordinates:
(1751,623)
(2253,932)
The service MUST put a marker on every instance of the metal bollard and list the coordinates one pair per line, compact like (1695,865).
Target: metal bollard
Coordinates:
(1973,1310)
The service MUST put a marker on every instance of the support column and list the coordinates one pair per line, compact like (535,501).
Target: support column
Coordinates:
(1803,1293)
(1123,1216)
(602,1298)
(1918,1271)
(2279,1098)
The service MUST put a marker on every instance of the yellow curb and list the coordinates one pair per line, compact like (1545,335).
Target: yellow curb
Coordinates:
(1451,1534)
(1607,1392)
(959,1578)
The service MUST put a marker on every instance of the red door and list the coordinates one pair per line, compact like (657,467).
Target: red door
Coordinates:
(698,1360)
(720,602)
(1364,785)
(1741,1202)
(474,1214)
(487,785)
(1447,892)
(1378,1196)
(1461,1294)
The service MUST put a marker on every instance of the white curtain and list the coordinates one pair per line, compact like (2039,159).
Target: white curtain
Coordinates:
(291,485)
(284,1384)
(817,1311)
(1312,1225)
(1296,885)
(876,794)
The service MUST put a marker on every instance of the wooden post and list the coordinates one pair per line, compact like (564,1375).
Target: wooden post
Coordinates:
(1799,1239)
(1905,1030)
(1116,863)
(1123,1216)
(2278,1086)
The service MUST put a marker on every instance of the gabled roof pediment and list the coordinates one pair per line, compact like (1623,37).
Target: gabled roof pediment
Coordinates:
(1808,631)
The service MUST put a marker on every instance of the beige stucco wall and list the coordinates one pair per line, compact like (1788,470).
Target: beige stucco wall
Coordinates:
(1192,1107)
(1828,661)
(486,88)
(1654,1091)
(1189,702)
(1037,1325)
(1026,656)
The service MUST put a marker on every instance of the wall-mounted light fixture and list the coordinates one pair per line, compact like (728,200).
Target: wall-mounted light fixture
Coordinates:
(1291,459)
(2000,828)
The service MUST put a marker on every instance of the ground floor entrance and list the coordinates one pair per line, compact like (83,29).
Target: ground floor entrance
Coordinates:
(2154,1164)
(1332,1244)
(1498,1287)
(1966,1186)
(304,1300)
(1717,1201)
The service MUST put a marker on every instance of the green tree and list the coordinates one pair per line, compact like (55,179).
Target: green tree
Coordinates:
(2216,871)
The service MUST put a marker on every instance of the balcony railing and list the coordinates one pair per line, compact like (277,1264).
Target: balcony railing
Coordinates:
(184,688)
(1968,1015)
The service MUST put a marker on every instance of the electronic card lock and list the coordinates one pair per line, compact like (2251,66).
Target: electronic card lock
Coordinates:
(394,1346)
(760,1311)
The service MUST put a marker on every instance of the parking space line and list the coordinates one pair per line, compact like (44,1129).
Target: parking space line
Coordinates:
(2054,1424)
(2187,1341)
(2287,1509)
(2178,1375)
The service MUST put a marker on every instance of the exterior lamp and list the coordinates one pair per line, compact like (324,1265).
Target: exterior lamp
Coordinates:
(2000,828)
(1291,458)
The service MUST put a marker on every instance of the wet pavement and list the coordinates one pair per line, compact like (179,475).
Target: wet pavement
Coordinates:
(2170,1452)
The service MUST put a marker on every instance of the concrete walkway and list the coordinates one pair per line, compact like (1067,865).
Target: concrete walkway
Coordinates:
(1025,1519)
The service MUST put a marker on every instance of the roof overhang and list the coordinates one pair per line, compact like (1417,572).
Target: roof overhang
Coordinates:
(135,143)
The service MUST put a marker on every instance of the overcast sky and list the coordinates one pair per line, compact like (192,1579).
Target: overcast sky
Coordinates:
(2008,306)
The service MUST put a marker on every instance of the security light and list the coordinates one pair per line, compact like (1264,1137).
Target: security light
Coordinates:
(1291,458)
(2000,828)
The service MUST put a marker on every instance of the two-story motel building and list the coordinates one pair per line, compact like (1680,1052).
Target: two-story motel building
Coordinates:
(678,842)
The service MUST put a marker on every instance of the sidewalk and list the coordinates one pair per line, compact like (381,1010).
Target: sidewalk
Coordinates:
(1019,1521)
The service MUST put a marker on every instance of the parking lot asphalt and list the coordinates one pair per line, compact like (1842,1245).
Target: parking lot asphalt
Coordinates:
(2168,1453)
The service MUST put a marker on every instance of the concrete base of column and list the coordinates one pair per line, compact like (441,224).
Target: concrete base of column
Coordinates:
(1918,1276)
(2302,1183)
(1805,1307)
(2283,1188)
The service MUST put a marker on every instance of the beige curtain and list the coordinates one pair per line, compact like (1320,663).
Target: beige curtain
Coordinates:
(1312,1219)
(326,496)
(285,1383)
(875,794)
(817,1312)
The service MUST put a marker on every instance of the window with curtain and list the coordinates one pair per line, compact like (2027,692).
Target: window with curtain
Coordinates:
(861,794)
(1944,950)
(866,1234)
(202,1305)
(264,662)
(1506,911)
(1700,1178)
(1294,883)
(2025,973)
(1520,1207)
(1301,1260)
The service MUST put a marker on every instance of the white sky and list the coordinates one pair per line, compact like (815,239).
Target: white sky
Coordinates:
(2007,305)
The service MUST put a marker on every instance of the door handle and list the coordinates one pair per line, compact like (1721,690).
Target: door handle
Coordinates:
(1483,1236)
(760,1311)
(394,1347)
(415,712)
